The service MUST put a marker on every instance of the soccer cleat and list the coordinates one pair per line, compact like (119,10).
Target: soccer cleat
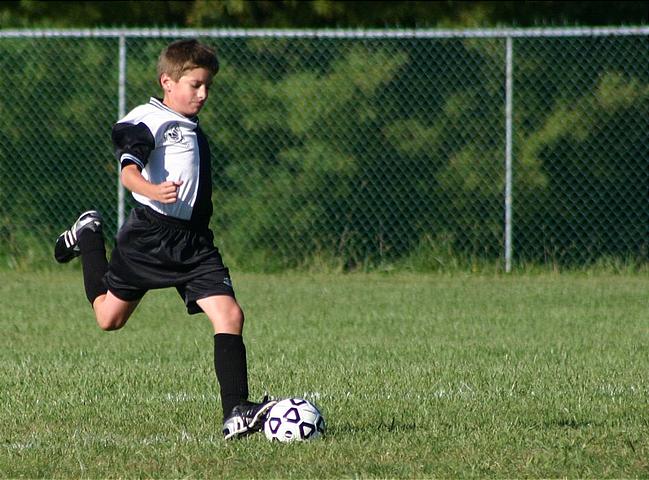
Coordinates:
(67,245)
(246,418)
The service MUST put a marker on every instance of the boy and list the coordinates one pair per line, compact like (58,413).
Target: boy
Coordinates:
(166,240)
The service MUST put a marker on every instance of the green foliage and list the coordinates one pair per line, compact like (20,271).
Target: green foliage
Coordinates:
(299,186)
(55,151)
(317,13)
(351,153)
(322,169)
(605,211)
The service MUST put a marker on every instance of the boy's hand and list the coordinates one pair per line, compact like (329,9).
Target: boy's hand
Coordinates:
(166,192)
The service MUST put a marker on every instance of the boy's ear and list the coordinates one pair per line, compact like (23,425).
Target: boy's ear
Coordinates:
(165,82)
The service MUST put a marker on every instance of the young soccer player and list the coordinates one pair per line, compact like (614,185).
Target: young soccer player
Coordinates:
(166,240)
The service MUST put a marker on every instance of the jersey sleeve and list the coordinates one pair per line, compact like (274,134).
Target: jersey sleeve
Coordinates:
(132,143)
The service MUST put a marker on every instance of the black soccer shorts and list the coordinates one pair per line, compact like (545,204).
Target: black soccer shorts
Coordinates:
(156,251)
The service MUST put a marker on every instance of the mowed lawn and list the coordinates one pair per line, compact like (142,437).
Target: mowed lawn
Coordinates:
(458,375)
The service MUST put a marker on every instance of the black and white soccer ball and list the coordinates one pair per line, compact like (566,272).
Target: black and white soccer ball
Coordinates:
(294,420)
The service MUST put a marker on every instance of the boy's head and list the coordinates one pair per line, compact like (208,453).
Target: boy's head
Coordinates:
(184,55)
(185,71)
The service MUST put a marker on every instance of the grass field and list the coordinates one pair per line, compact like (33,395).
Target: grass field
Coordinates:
(418,376)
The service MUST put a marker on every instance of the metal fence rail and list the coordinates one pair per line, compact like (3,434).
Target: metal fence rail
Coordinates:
(419,147)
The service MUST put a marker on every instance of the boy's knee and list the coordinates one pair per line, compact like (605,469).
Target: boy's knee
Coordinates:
(230,320)
(111,313)
(110,323)
(234,316)
(237,312)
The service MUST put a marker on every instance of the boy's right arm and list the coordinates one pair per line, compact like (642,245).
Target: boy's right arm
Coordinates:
(165,192)
(133,143)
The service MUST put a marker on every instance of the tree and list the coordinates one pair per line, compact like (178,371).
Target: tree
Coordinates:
(317,13)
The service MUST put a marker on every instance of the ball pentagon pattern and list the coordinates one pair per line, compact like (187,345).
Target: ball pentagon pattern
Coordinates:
(294,419)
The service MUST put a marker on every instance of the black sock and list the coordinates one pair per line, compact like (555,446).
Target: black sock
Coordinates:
(231,370)
(95,265)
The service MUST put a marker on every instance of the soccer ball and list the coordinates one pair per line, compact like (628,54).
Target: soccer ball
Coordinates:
(294,420)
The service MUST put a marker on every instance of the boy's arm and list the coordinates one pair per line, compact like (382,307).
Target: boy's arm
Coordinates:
(165,192)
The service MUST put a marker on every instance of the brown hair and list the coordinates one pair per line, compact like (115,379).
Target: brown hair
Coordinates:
(183,55)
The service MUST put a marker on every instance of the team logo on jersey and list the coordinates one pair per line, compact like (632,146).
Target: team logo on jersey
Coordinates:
(173,134)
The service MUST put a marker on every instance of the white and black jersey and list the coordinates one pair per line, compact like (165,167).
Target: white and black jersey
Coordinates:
(167,146)
(167,245)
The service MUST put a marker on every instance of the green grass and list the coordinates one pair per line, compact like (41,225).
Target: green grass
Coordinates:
(418,376)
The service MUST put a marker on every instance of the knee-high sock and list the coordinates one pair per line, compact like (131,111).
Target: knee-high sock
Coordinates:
(231,370)
(94,263)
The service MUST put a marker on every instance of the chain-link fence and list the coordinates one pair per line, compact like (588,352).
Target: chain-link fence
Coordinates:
(413,148)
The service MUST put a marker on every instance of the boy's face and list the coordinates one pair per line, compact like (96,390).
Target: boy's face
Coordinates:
(187,95)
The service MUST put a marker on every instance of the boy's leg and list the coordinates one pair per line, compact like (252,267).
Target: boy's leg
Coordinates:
(111,312)
(240,416)
(230,361)
(85,239)
(94,264)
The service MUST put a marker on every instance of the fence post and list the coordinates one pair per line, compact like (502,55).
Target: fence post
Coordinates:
(121,111)
(509,92)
